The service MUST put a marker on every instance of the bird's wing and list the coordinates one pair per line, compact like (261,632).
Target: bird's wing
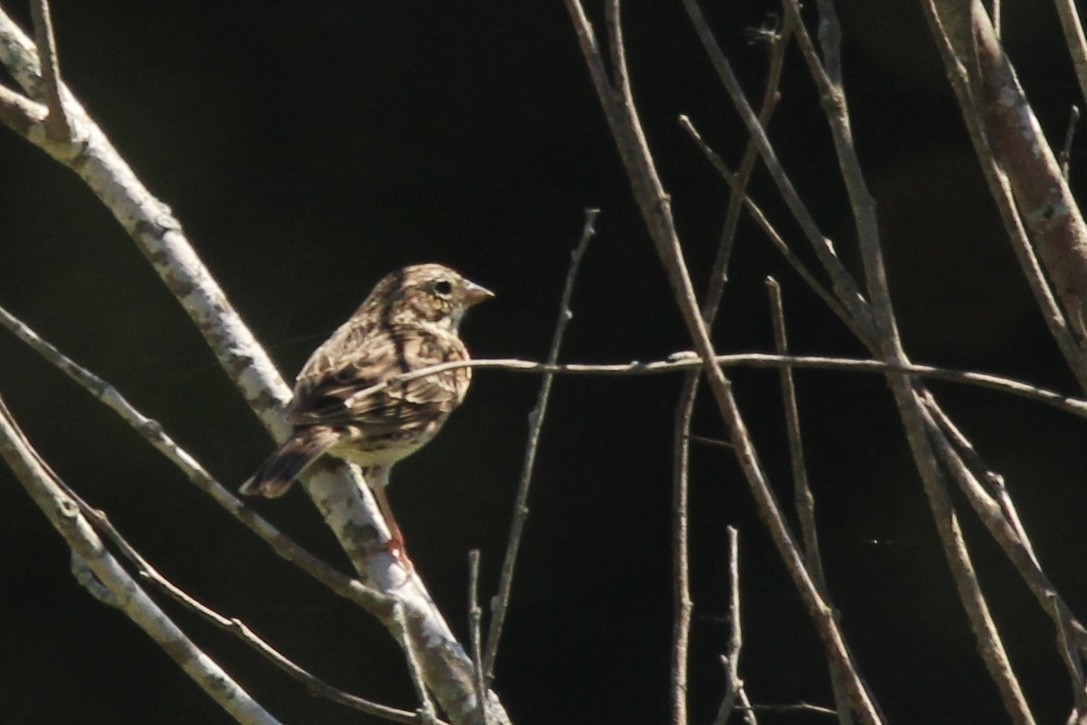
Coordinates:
(332,388)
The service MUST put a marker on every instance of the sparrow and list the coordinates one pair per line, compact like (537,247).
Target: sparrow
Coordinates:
(409,321)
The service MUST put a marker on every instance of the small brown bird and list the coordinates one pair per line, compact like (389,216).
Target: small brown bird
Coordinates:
(408,322)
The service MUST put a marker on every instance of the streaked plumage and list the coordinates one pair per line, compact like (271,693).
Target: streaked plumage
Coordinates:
(408,322)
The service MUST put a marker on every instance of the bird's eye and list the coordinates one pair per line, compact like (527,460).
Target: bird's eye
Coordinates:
(443,288)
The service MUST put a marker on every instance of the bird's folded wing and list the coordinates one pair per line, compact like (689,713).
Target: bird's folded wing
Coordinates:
(335,389)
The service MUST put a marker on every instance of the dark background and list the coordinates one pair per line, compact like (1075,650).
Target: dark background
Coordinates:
(309,148)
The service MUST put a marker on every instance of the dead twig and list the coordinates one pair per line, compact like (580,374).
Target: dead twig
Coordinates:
(64,514)
(682,603)
(233,625)
(500,602)
(57,126)
(655,206)
(475,617)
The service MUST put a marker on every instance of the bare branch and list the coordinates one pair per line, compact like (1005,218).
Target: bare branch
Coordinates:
(500,603)
(475,616)
(681,573)
(152,431)
(797,707)
(845,288)
(426,713)
(1012,132)
(1069,134)
(888,346)
(56,123)
(64,514)
(734,686)
(346,505)
(20,114)
(803,500)
(1000,188)
(655,206)
(686,361)
(682,604)
(1073,38)
(232,625)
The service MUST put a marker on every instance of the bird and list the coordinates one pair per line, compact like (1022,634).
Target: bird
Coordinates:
(410,321)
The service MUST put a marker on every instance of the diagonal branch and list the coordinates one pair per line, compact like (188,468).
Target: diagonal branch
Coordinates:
(64,514)
(684,413)
(536,419)
(921,436)
(655,206)
(232,625)
(346,505)
(57,126)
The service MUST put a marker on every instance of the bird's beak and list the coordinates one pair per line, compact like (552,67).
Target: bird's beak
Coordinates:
(474,294)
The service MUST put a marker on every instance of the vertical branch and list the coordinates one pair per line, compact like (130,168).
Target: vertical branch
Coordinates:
(803,500)
(475,616)
(500,603)
(734,686)
(655,206)
(885,338)
(889,348)
(682,604)
(681,571)
(57,127)
(426,713)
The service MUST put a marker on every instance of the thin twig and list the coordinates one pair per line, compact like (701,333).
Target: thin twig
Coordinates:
(686,360)
(982,472)
(1074,40)
(233,625)
(678,362)
(1066,150)
(475,616)
(1002,523)
(769,230)
(682,603)
(889,347)
(500,602)
(426,712)
(797,707)
(1074,664)
(845,287)
(731,659)
(655,206)
(64,514)
(803,499)
(371,600)
(57,126)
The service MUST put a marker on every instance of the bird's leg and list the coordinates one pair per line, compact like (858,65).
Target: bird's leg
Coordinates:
(378,478)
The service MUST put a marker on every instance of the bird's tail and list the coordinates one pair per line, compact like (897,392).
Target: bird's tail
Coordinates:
(289,462)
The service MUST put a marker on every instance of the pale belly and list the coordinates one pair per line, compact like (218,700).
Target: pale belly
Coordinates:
(383,452)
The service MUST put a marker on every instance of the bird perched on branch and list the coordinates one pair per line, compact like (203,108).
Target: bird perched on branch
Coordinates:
(408,322)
